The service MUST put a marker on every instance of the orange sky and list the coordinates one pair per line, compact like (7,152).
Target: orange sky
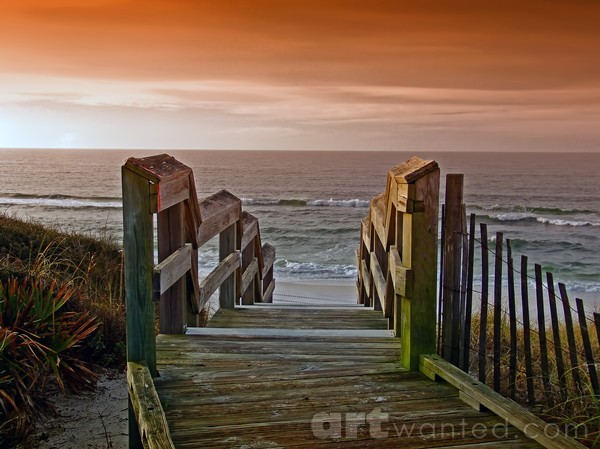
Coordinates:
(301,74)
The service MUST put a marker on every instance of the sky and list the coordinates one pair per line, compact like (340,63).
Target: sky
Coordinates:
(437,75)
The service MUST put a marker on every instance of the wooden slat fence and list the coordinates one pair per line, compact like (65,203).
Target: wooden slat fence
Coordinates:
(533,358)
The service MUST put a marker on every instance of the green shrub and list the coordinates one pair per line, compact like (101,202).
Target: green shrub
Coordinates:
(40,342)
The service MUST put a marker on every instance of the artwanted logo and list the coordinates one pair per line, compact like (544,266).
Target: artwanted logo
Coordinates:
(328,426)
(376,424)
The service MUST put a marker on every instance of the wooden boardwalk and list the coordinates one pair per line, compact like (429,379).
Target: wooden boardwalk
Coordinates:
(269,376)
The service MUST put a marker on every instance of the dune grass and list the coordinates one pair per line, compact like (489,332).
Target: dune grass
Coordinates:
(576,411)
(62,311)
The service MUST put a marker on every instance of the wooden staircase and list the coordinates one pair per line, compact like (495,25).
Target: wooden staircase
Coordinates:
(269,376)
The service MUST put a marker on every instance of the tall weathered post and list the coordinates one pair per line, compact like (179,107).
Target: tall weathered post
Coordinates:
(418,185)
(138,246)
(397,256)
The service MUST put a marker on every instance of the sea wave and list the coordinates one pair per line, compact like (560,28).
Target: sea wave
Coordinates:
(560,222)
(331,202)
(314,270)
(59,201)
(529,217)
(515,208)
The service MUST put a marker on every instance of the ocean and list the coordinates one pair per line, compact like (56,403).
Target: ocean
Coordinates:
(309,204)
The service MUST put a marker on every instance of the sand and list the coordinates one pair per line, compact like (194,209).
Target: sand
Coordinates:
(98,419)
(92,420)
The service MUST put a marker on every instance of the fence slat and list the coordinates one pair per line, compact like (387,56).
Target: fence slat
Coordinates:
(570,337)
(469,299)
(512,322)
(463,288)
(539,290)
(497,308)
(587,346)
(441,284)
(597,322)
(452,248)
(527,332)
(484,303)
(560,365)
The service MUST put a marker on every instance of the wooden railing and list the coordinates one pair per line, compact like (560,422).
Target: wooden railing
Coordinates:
(397,256)
(164,186)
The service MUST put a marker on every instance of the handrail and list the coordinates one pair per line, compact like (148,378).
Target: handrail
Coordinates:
(397,256)
(164,186)
(153,431)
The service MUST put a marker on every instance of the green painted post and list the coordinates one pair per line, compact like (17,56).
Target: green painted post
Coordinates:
(419,253)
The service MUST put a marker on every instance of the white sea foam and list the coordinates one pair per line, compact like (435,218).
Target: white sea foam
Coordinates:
(560,222)
(66,202)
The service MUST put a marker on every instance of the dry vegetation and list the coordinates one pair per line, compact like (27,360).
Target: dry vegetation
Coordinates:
(61,312)
(576,411)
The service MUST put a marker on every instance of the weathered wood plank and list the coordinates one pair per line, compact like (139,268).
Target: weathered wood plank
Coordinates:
(401,275)
(170,192)
(160,167)
(268,252)
(539,290)
(171,269)
(587,347)
(227,246)
(216,277)
(560,364)
(413,169)
(249,274)
(482,350)
(419,253)
(218,212)
(377,276)
(405,197)
(514,414)
(365,278)
(151,421)
(452,268)
(527,332)
(497,308)
(170,179)
(138,243)
(250,223)
(365,230)
(378,217)
(512,322)
(268,293)
(570,337)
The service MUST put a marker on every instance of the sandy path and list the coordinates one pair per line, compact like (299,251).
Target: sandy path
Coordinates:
(92,420)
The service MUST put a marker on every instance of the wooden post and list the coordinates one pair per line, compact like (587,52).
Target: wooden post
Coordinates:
(539,292)
(482,361)
(469,299)
(227,245)
(452,268)
(512,322)
(497,308)
(571,337)
(138,242)
(419,253)
(248,256)
(527,332)
(587,346)
(560,364)
(171,237)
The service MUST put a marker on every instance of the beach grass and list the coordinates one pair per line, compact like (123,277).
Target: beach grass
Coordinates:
(574,410)
(62,309)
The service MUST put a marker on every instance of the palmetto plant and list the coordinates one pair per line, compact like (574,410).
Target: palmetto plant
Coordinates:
(38,342)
